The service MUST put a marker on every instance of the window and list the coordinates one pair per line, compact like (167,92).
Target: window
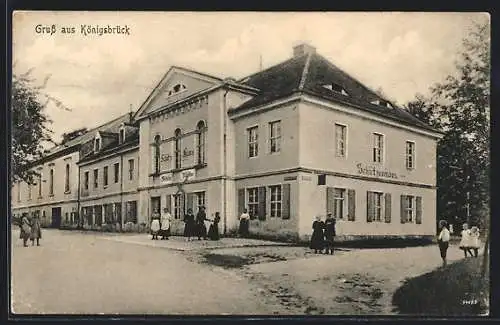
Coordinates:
(253,201)
(157,154)
(375,205)
(340,139)
(131,169)
(178,206)
(66,183)
(410,208)
(275,201)
(178,148)
(131,211)
(378,147)
(86,180)
(51,182)
(336,88)
(200,200)
(117,172)
(410,155)
(122,136)
(339,203)
(18,191)
(105,176)
(97,144)
(40,185)
(200,143)
(98,214)
(275,136)
(96,178)
(253,145)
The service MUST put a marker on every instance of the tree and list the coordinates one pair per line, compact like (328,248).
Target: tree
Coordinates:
(460,107)
(30,126)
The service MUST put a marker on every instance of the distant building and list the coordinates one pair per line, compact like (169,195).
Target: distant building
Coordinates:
(299,139)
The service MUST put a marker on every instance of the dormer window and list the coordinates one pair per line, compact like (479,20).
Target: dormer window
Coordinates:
(121,138)
(336,88)
(97,145)
(176,89)
(381,102)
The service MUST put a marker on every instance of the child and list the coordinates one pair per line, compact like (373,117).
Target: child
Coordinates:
(475,243)
(443,240)
(465,241)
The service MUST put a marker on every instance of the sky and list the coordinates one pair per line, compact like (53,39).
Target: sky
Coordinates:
(102,77)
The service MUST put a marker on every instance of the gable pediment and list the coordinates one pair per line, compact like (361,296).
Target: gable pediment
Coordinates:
(177,84)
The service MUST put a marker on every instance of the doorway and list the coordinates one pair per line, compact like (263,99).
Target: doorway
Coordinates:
(56,217)
(155,205)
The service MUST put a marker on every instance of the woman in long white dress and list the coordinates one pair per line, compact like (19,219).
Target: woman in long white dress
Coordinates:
(155,225)
(165,221)
(465,241)
(475,242)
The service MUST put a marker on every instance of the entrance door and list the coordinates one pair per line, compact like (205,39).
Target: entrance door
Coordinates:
(155,205)
(56,217)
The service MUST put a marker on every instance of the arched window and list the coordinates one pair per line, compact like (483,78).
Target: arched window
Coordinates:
(200,141)
(178,148)
(157,154)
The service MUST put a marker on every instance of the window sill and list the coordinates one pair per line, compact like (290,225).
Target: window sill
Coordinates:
(67,192)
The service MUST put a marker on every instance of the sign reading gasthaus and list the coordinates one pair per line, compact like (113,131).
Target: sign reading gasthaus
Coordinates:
(373,171)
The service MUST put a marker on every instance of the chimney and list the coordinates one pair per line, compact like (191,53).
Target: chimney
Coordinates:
(303,49)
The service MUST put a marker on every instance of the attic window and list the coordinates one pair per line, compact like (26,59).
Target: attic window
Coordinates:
(122,136)
(336,88)
(381,102)
(97,145)
(177,88)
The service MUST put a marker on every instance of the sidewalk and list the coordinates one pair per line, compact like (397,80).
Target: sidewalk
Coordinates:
(180,243)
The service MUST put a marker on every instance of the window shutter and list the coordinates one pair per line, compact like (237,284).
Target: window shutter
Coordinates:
(168,203)
(387,207)
(262,203)
(285,201)
(418,218)
(403,208)
(241,201)
(330,199)
(189,205)
(351,200)
(369,206)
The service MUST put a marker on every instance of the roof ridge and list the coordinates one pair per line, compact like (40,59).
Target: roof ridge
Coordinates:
(269,68)
(305,71)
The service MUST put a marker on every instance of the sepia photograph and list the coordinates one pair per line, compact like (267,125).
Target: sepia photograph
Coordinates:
(250,163)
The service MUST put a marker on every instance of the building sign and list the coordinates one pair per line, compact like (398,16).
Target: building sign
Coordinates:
(187,152)
(374,171)
(165,157)
(290,178)
(188,174)
(166,178)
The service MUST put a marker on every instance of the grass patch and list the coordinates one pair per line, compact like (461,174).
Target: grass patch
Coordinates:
(456,290)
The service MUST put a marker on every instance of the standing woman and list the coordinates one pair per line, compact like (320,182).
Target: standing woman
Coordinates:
(330,233)
(36,231)
(165,220)
(201,216)
(155,225)
(213,231)
(244,224)
(443,239)
(317,238)
(25,230)
(465,242)
(189,225)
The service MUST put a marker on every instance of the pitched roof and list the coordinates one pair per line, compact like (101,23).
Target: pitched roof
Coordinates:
(309,73)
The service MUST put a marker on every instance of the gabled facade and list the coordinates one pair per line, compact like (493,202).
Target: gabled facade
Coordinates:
(297,140)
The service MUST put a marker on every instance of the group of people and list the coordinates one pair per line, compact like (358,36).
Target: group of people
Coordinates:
(469,242)
(194,226)
(30,229)
(322,239)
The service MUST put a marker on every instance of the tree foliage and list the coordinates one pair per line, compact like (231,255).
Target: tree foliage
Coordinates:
(460,107)
(30,127)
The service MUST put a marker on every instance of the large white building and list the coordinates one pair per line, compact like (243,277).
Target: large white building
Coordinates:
(299,139)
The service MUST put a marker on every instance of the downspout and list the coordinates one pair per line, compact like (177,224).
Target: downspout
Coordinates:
(121,192)
(80,222)
(224,176)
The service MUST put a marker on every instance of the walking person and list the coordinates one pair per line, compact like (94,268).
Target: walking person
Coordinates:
(213,231)
(330,233)
(201,229)
(165,224)
(25,230)
(465,241)
(475,242)
(318,235)
(189,225)
(36,231)
(244,224)
(155,225)
(443,240)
